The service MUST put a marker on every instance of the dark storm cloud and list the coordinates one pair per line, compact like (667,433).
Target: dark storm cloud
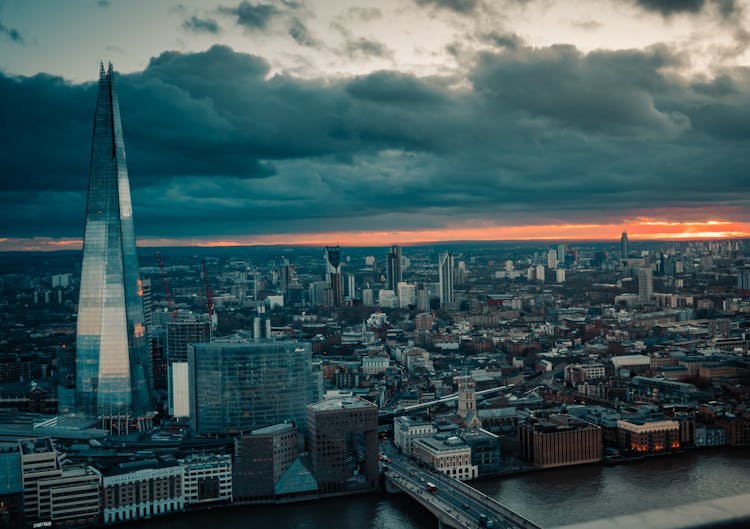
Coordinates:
(393,88)
(669,7)
(457,6)
(201,25)
(217,145)
(610,92)
(666,8)
(251,16)
(11,33)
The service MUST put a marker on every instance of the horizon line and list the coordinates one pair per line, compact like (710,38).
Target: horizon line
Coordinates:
(68,245)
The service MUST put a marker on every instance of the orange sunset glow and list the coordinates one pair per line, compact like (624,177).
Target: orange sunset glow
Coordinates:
(641,228)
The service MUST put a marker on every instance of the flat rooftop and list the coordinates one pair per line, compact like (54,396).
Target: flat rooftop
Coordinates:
(342,403)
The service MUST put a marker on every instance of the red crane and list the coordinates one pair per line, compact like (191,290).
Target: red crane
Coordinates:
(209,295)
(172,309)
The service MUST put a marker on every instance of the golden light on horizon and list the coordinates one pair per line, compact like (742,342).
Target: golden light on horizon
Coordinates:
(638,229)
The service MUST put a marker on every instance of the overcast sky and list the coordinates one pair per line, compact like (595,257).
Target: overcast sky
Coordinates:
(377,122)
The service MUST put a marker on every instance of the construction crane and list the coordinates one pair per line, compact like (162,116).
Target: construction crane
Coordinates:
(172,308)
(209,295)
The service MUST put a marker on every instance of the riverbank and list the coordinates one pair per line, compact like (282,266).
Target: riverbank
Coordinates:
(549,497)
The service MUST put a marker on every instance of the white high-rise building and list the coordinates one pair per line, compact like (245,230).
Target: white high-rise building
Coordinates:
(540,273)
(552,259)
(387,299)
(445,274)
(350,286)
(407,294)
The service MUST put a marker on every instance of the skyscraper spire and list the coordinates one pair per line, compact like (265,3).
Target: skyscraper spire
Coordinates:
(113,368)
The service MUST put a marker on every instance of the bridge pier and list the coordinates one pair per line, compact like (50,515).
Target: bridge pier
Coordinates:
(444,525)
(390,488)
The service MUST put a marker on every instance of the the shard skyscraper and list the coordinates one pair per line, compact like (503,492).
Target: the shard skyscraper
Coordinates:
(113,365)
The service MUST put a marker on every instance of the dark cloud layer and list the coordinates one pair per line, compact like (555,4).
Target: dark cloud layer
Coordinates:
(216,145)
(458,6)
(252,16)
(201,25)
(726,8)
(11,33)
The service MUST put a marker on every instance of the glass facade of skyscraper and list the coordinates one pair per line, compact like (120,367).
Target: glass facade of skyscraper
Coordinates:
(113,373)
(244,385)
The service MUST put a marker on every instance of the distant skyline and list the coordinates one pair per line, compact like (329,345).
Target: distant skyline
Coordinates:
(370,123)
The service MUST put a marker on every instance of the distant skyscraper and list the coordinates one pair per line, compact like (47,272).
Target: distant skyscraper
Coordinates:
(445,274)
(624,245)
(113,363)
(743,281)
(645,284)
(333,275)
(351,289)
(552,259)
(286,275)
(393,273)
(423,298)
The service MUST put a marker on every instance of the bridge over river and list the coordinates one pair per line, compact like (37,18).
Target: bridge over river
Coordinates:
(455,504)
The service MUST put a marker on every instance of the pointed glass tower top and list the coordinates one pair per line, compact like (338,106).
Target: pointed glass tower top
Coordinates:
(113,371)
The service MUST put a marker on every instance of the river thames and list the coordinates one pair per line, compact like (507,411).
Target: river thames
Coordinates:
(549,498)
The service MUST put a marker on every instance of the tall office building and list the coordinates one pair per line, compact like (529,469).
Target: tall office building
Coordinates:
(248,384)
(286,275)
(351,288)
(624,245)
(743,281)
(182,331)
(645,284)
(552,259)
(393,275)
(333,275)
(113,361)
(423,298)
(407,295)
(445,275)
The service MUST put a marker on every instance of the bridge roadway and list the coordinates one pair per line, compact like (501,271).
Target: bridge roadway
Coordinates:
(455,504)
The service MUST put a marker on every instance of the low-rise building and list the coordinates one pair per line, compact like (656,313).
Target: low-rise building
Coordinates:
(39,461)
(577,373)
(648,437)
(261,458)
(449,455)
(407,430)
(207,479)
(142,489)
(559,440)
(485,451)
(343,443)
(662,390)
(709,435)
(72,499)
